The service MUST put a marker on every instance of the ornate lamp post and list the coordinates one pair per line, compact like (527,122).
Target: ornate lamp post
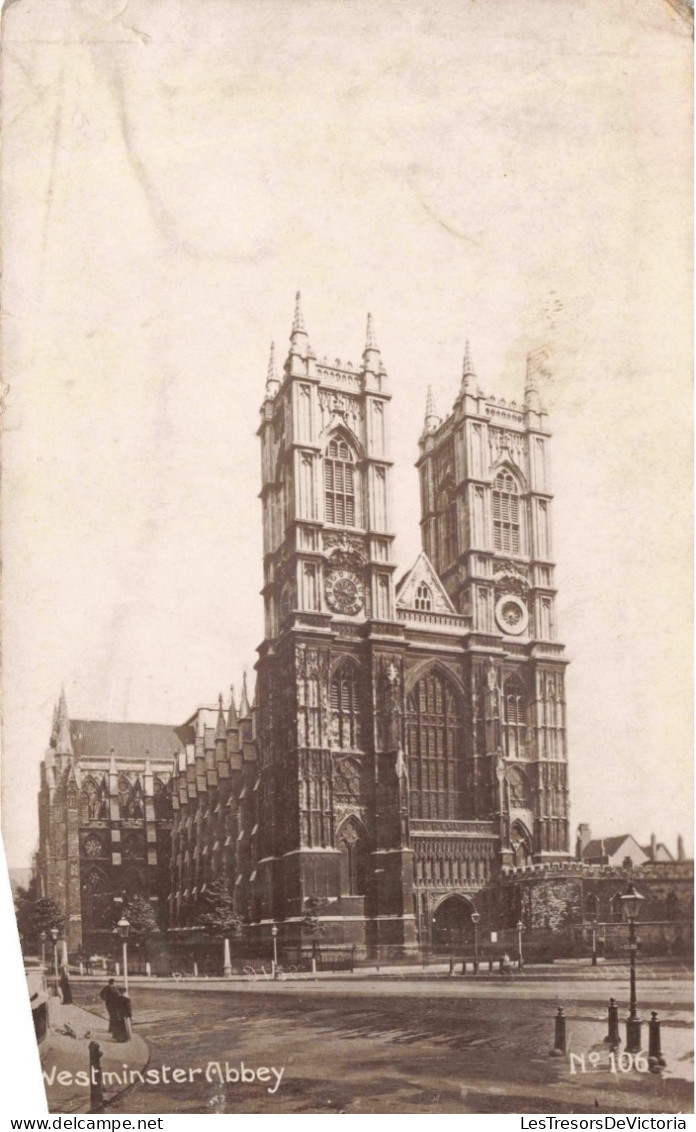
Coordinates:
(520,960)
(42,937)
(594,939)
(475,918)
(54,937)
(274,934)
(123,929)
(630,907)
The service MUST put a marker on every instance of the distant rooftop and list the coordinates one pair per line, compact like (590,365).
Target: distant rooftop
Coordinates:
(94,738)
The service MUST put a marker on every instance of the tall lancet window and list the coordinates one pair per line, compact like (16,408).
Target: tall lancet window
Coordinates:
(435,751)
(506,514)
(345,707)
(515,718)
(339,484)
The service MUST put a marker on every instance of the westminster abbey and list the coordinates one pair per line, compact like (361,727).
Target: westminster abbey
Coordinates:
(407,737)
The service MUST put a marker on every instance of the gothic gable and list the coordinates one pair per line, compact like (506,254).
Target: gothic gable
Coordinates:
(421,589)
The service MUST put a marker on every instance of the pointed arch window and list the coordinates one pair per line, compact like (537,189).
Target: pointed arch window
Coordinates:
(345,708)
(434,743)
(424,597)
(313,710)
(515,718)
(506,513)
(353,860)
(339,485)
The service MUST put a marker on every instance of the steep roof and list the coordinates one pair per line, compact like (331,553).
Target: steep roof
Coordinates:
(606,846)
(661,853)
(94,738)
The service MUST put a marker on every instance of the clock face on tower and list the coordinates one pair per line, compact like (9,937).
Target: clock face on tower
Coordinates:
(344,592)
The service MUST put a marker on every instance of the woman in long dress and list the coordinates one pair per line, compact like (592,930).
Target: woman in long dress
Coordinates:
(65,987)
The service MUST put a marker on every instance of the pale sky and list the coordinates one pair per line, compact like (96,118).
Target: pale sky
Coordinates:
(514,172)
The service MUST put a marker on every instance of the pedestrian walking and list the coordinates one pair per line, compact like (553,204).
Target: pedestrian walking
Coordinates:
(122,1017)
(109,996)
(65,987)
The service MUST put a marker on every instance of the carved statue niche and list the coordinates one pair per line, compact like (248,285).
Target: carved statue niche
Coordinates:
(492,697)
(519,789)
(393,711)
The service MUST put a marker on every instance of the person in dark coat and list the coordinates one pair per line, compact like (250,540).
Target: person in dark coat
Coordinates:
(65,987)
(122,1017)
(109,996)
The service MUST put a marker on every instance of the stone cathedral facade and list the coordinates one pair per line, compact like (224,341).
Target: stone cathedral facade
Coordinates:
(411,736)
(406,742)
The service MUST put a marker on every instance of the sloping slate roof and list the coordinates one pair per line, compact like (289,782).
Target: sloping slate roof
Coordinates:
(611,846)
(94,738)
(662,853)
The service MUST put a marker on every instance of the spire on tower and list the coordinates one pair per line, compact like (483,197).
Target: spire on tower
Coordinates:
(54,726)
(298,326)
(244,710)
(272,382)
(220,730)
(232,719)
(432,417)
(468,372)
(370,339)
(63,740)
(532,399)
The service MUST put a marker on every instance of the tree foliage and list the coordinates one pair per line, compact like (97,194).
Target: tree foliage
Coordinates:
(310,921)
(217,914)
(141,917)
(36,915)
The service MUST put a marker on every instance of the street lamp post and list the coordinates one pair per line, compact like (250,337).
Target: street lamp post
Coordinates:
(630,905)
(123,929)
(54,937)
(274,934)
(520,961)
(594,941)
(42,937)
(475,918)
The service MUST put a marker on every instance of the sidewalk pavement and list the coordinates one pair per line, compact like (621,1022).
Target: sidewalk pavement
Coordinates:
(68,1056)
(549,972)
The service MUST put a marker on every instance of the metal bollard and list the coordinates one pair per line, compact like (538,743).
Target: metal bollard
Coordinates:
(490,965)
(96,1091)
(656,1060)
(634,1041)
(463,966)
(559,1035)
(613,1020)
(451,970)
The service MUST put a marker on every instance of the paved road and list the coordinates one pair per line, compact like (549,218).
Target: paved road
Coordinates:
(372,1047)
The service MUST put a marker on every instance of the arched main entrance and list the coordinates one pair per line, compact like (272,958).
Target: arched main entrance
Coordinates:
(451,922)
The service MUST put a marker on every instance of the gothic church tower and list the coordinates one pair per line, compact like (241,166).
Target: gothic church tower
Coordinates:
(329,826)
(486,526)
